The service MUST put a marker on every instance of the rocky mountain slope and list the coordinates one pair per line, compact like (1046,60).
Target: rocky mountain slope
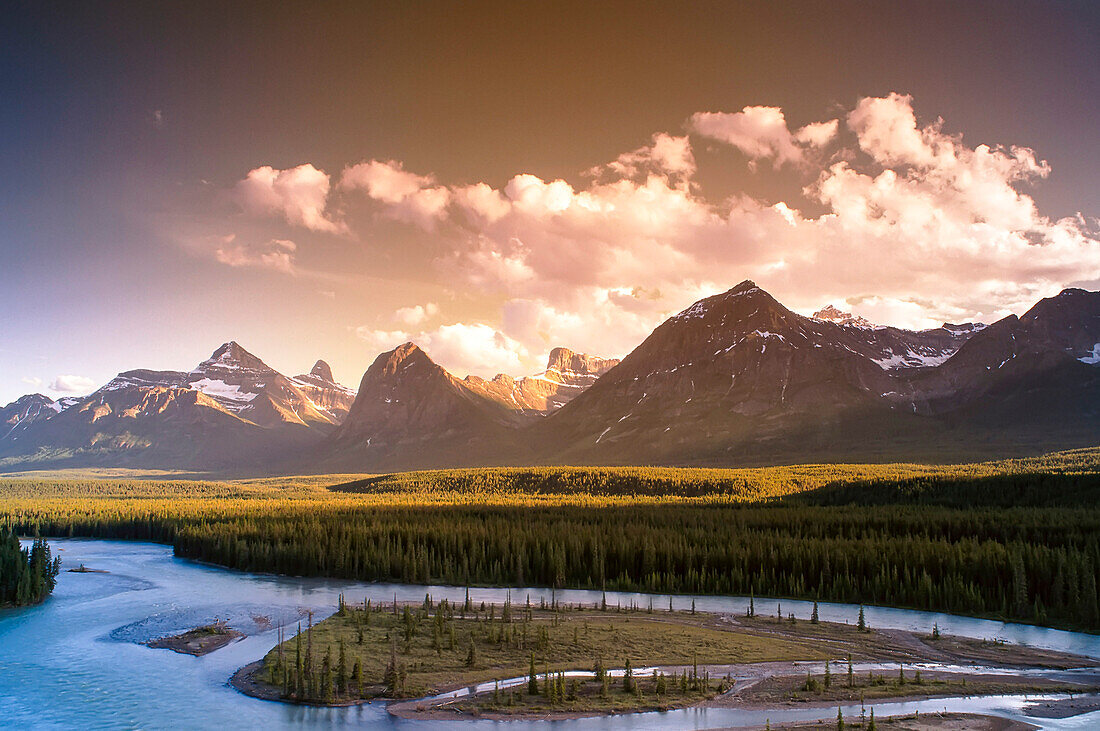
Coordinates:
(738,378)
(322,389)
(19,415)
(566,376)
(409,412)
(231,410)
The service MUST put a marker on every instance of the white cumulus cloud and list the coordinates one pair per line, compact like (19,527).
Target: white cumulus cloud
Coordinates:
(72,384)
(299,194)
(416,314)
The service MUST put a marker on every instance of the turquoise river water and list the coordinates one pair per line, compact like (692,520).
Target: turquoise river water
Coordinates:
(77,662)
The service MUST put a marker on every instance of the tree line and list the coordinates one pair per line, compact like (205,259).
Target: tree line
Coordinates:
(1016,545)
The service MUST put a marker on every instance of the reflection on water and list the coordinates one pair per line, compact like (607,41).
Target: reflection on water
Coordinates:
(75,661)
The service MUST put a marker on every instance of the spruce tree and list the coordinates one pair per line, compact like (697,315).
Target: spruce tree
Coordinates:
(471,656)
(342,671)
(532,678)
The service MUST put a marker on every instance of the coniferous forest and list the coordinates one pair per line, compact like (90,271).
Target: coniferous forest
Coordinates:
(27,575)
(1021,545)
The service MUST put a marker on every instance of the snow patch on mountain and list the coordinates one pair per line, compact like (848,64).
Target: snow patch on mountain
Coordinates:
(1092,358)
(222,391)
(912,359)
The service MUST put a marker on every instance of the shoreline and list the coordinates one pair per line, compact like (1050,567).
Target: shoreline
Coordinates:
(426,709)
(929,722)
(244,681)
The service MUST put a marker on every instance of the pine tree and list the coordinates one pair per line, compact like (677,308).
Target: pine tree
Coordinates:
(326,676)
(813,615)
(471,656)
(628,678)
(839,719)
(532,678)
(861,625)
(342,671)
(392,676)
(299,690)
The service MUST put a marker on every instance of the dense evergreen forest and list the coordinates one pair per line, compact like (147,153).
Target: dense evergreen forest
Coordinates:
(1012,540)
(27,575)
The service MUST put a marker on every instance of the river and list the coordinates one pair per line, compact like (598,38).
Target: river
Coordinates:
(76,660)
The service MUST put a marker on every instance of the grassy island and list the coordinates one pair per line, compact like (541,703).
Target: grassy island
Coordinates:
(369,651)
(629,658)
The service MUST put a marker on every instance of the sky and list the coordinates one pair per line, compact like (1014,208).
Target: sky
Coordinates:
(491,180)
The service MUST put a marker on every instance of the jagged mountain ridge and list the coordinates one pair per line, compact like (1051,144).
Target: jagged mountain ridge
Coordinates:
(323,390)
(19,415)
(566,376)
(739,378)
(736,378)
(232,409)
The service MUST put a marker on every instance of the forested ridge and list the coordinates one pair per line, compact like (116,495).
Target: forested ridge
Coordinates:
(1022,543)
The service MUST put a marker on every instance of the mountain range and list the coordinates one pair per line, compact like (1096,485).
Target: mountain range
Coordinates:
(735,379)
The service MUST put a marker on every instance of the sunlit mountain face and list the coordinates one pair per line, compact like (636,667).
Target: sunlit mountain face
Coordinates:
(530,195)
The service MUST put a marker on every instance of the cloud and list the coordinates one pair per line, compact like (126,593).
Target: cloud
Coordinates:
(380,341)
(461,348)
(666,155)
(297,194)
(412,316)
(910,224)
(408,197)
(818,134)
(762,133)
(32,381)
(277,254)
(72,384)
(477,348)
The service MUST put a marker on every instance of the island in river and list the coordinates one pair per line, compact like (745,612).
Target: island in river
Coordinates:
(198,641)
(564,661)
